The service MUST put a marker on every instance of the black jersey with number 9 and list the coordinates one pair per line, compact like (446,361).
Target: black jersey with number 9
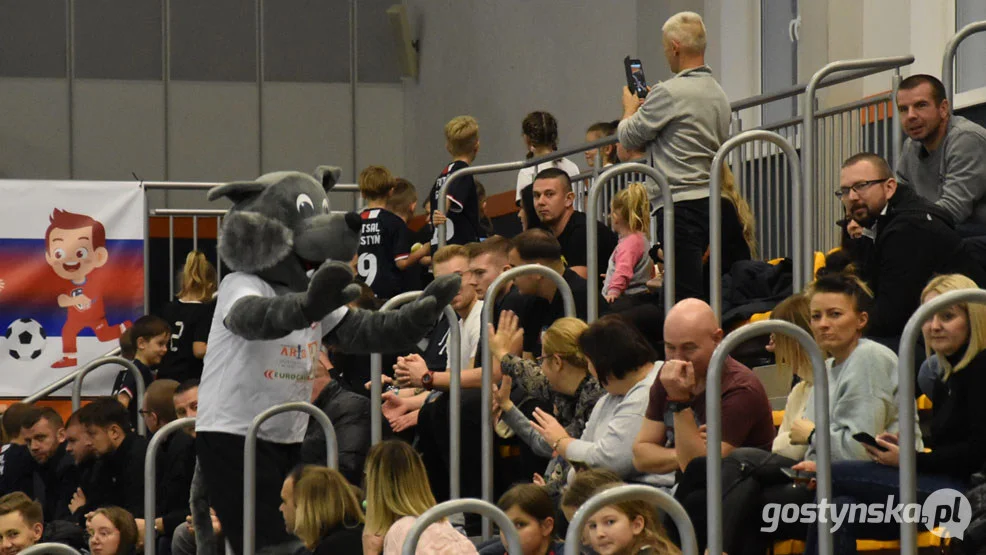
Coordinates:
(384,240)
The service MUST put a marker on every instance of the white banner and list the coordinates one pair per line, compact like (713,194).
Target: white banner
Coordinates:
(71,279)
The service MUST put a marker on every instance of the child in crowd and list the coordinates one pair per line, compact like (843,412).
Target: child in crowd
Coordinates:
(112,531)
(462,221)
(403,202)
(190,317)
(627,528)
(485,223)
(595,132)
(629,266)
(327,516)
(540,133)
(533,514)
(150,336)
(383,241)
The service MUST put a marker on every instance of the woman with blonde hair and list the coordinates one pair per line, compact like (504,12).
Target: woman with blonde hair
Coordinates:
(327,514)
(190,317)
(397,492)
(560,378)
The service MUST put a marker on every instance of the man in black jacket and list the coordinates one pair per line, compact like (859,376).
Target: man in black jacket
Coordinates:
(120,453)
(55,475)
(913,241)
(175,461)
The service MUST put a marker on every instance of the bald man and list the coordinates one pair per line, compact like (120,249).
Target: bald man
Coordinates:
(673,432)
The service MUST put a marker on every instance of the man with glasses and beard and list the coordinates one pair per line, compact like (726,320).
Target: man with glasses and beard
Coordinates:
(913,240)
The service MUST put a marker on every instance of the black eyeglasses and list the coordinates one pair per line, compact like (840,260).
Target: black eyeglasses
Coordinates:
(144,412)
(857,187)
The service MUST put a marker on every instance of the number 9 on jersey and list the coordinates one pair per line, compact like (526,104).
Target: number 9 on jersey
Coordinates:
(366,266)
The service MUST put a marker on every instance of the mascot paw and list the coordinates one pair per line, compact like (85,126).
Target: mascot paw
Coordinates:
(443,289)
(329,289)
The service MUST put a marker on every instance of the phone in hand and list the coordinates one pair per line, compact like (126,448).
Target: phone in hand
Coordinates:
(798,475)
(867,439)
(636,81)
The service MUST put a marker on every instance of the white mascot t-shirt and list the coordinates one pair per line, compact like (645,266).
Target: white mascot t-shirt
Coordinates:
(242,378)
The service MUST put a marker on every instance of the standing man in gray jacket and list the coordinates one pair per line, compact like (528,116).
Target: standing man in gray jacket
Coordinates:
(682,123)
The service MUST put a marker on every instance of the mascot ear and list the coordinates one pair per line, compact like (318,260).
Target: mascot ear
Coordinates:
(328,176)
(237,191)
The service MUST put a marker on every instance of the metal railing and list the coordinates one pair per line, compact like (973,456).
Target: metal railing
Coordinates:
(906,410)
(493,292)
(50,548)
(715,212)
(250,461)
(948,59)
(128,366)
(659,498)
(456,506)
(592,232)
(62,382)
(713,411)
(376,372)
(150,478)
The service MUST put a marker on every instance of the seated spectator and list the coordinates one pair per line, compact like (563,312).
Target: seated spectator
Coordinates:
(150,336)
(112,531)
(175,461)
(397,492)
(350,415)
(623,363)
(673,432)
(554,201)
(530,509)
(319,507)
(120,451)
(628,528)
(595,132)
(913,241)
(56,478)
(16,463)
(21,523)
(540,132)
(78,444)
(561,380)
(630,266)
(190,317)
(526,213)
(956,337)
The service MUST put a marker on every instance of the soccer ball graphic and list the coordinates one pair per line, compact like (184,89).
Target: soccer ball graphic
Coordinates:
(25,339)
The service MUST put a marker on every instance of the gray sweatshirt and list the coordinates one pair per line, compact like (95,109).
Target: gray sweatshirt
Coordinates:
(682,122)
(862,398)
(954,175)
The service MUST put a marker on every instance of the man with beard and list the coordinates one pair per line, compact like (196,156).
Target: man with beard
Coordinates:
(913,240)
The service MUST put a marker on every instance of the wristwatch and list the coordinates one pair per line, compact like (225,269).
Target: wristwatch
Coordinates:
(427,380)
(678,406)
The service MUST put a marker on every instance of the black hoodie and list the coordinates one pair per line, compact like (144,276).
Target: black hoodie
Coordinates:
(55,481)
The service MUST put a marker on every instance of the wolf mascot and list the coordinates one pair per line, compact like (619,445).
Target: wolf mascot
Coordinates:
(288,292)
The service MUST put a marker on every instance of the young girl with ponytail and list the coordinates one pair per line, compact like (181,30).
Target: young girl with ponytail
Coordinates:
(540,132)
(629,266)
(190,317)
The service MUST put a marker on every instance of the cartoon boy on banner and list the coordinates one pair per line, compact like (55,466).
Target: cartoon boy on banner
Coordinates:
(75,248)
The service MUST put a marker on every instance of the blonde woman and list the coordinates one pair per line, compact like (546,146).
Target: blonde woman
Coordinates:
(791,440)
(397,492)
(559,378)
(327,514)
(190,317)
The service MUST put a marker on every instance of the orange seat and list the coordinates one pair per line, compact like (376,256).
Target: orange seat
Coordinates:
(925,539)
(778,418)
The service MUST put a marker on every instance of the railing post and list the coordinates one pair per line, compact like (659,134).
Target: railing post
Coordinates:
(456,506)
(897,133)
(592,233)
(60,383)
(454,349)
(128,366)
(376,372)
(713,412)
(150,478)
(906,411)
(250,461)
(715,211)
(50,548)
(655,496)
(948,59)
(493,293)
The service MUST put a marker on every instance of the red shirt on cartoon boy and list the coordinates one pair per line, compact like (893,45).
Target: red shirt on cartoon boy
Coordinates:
(75,246)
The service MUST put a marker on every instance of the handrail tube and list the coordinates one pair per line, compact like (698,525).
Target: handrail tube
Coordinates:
(454,350)
(906,411)
(250,461)
(59,383)
(492,293)
(205,185)
(713,420)
(189,212)
(511,166)
(150,478)
(715,211)
(592,233)
(49,548)
(948,59)
(376,372)
(654,496)
(861,103)
(129,366)
(456,506)
(808,141)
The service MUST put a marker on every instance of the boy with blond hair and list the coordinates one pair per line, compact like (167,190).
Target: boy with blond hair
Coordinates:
(462,220)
